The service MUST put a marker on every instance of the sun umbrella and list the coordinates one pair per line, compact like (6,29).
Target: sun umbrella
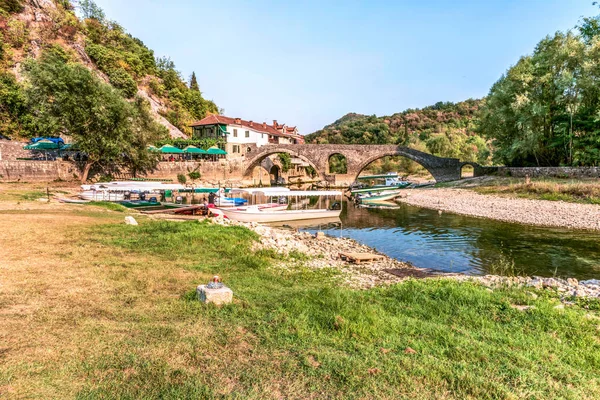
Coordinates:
(216,151)
(167,149)
(194,150)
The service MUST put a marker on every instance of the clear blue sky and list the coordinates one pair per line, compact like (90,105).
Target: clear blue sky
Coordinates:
(307,63)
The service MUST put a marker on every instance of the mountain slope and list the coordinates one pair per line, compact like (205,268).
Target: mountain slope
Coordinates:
(28,27)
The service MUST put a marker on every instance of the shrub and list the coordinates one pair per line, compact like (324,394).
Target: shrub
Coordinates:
(181,179)
(11,6)
(120,79)
(17,33)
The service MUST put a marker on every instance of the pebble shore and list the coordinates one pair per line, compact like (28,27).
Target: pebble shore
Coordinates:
(323,252)
(557,214)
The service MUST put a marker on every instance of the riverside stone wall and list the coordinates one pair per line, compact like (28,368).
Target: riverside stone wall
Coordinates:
(10,150)
(39,171)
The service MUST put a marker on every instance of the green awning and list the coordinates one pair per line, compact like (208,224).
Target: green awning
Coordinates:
(167,149)
(216,151)
(223,129)
(153,148)
(194,150)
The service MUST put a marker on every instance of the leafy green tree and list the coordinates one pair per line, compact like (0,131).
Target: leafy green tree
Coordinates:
(11,6)
(108,129)
(90,10)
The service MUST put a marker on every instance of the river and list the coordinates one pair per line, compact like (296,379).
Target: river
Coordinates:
(456,243)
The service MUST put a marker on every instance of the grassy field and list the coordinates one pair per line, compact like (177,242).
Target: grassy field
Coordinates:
(91,308)
(586,191)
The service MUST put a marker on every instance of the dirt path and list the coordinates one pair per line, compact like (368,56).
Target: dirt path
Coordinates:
(525,211)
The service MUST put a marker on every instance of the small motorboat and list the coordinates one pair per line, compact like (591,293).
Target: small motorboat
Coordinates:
(378,197)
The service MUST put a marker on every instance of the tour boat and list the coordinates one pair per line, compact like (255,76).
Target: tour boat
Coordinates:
(254,214)
(262,207)
(265,215)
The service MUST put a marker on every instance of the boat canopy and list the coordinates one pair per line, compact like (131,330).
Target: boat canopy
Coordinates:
(390,175)
(289,193)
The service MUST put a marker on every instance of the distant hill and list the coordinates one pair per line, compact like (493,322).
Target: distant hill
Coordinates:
(446,129)
(29,27)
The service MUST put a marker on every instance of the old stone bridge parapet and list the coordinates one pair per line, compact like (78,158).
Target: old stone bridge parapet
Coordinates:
(357,157)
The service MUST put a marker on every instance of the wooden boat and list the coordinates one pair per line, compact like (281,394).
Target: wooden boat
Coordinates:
(254,214)
(73,201)
(140,203)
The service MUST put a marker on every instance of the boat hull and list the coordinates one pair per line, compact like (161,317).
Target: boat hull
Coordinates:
(278,216)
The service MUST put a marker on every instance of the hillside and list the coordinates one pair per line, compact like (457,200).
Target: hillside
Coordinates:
(445,129)
(30,27)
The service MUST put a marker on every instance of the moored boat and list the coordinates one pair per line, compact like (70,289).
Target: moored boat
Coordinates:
(271,214)
(254,214)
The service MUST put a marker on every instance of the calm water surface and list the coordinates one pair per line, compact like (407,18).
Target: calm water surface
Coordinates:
(456,243)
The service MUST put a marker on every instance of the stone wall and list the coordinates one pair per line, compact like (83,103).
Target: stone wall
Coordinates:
(538,172)
(10,150)
(223,171)
(41,171)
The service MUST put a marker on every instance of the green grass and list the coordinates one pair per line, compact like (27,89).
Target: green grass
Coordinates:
(290,334)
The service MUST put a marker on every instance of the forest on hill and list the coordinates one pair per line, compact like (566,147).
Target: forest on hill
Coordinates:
(66,70)
(81,30)
(544,111)
(446,129)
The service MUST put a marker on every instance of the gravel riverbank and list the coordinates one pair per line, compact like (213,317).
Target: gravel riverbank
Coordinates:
(323,252)
(556,214)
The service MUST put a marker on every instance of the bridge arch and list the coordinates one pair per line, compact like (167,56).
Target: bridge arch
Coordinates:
(393,153)
(254,160)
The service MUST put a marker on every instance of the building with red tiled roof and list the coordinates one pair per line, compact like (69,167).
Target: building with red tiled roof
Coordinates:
(238,132)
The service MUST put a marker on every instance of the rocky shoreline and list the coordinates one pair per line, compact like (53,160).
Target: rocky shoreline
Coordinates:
(323,252)
(557,214)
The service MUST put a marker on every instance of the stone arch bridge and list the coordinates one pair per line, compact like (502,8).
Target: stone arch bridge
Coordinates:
(357,157)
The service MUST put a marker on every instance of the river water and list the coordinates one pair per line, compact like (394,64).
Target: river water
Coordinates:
(456,243)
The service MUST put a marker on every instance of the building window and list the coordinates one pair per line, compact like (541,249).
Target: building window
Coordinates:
(235,133)
(235,148)
(247,134)
(262,135)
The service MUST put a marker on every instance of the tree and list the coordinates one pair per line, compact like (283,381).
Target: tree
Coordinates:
(90,10)
(110,131)
(194,83)
(11,6)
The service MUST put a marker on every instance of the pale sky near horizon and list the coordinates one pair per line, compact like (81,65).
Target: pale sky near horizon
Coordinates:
(308,63)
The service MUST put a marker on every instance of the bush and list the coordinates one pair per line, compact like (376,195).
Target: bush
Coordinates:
(120,79)
(11,6)
(181,179)
(17,33)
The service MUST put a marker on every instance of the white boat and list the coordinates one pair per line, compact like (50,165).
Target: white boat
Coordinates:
(218,211)
(377,197)
(254,214)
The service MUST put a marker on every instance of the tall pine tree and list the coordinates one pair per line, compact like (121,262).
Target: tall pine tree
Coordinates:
(194,82)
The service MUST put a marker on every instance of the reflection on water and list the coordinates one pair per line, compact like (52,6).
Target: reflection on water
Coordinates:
(456,243)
